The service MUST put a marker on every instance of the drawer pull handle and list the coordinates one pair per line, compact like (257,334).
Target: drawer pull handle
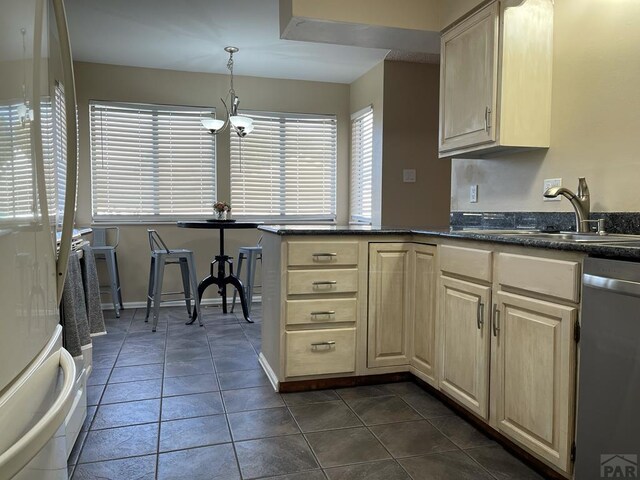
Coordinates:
(324,283)
(329,344)
(328,313)
(496,318)
(318,256)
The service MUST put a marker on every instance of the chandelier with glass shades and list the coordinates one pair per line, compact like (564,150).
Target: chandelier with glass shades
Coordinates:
(240,124)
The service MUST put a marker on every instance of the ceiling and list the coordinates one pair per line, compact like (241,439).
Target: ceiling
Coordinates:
(190,35)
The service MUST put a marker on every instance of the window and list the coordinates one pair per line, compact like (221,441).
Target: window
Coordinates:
(286,168)
(361,166)
(150,162)
(17,182)
(54,144)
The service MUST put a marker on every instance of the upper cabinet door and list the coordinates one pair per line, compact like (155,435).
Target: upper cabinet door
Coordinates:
(468,81)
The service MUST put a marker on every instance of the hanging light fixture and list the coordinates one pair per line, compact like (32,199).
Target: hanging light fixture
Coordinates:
(240,124)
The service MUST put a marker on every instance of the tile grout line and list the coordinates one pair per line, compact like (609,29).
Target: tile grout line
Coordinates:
(161,400)
(84,441)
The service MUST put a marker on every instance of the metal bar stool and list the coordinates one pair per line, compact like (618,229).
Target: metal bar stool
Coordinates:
(102,250)
(162,255)
(251,255)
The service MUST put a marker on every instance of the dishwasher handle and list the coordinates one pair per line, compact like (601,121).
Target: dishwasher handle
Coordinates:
(625,287)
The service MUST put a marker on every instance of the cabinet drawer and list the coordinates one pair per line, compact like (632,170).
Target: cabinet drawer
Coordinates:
(322,253)
(556,278)
(318,352)
(321,311)
(319,282)
(469,262)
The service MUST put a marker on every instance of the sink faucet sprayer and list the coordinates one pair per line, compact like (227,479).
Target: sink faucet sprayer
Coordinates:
(580,202)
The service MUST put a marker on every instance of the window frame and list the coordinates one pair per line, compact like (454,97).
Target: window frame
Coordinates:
(290,219)
(205,111)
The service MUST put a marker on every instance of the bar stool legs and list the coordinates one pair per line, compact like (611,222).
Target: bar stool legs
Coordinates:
(251,255)
(156,275)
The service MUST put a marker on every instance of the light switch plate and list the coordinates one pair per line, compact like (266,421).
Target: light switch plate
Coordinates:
(549,183)
(409,175)
(473,194)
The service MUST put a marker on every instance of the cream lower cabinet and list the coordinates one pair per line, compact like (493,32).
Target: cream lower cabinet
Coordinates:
(402,306)
(389,310)
(535,361)
(422,342)
(465,342)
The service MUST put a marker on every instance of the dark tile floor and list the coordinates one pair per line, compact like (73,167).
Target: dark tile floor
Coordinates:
(192,403)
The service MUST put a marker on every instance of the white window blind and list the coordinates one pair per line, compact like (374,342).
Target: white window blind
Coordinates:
(151,162)
(17,183)
(54,144)
(286,168)
(361,166)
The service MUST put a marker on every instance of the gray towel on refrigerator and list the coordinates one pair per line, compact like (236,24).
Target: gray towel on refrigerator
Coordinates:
(74,310)
(92,292)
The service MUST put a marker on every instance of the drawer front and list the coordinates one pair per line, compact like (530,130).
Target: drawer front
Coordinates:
(322,253)
(556,278)
(321,282)
(469,262)
(321,311)
(319,352)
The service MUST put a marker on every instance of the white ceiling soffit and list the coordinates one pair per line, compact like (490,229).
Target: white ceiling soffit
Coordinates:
(190,36)
(373,36)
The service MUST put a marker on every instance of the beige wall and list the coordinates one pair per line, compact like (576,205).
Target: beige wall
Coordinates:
(129,84)
(404,97)
(409,14)
(410,141)
(595,119)
(369,90)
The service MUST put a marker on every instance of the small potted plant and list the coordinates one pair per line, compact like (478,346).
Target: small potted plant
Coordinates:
(222,210)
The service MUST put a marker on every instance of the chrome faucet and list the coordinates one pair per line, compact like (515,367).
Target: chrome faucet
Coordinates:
(580,202)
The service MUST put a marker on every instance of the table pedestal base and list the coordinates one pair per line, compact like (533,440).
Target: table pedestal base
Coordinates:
(222,280)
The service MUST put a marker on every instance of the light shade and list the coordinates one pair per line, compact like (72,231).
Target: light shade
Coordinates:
(212,124)
(241,122)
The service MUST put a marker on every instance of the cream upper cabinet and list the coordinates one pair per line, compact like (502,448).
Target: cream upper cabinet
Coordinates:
(389,304)
(465,342)
(495,80)
(468,81)
(423,312)
(535,358)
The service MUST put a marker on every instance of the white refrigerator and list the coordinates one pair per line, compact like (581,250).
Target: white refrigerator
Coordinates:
(42,388)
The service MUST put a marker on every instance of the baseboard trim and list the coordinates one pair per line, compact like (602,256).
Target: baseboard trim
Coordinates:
(273,378)
(343,382)
(178,303)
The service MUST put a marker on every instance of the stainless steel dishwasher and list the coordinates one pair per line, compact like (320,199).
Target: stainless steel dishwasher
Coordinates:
(608,430)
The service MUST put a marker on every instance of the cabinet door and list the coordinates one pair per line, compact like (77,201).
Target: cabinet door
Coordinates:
(423,312)
(389,304)
(535,362)
(465,340)
(468,81)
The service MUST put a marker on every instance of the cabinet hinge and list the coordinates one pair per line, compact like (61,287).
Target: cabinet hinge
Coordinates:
(576,331)
(572,456)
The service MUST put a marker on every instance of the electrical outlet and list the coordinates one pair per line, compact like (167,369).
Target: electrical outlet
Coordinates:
(473,194)
(550,183)
(409,175)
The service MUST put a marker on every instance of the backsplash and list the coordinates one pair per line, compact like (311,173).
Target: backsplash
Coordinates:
(615,222)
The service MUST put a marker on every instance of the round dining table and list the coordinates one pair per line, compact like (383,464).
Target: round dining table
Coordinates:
(221,279)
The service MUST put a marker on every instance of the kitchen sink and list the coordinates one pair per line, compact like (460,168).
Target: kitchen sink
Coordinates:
(564,236)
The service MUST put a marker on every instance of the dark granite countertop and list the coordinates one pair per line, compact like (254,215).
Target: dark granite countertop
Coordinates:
(612,250)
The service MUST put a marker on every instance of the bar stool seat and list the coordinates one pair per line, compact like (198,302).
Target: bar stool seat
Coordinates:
(102,250)
(251,255)
(162,255)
